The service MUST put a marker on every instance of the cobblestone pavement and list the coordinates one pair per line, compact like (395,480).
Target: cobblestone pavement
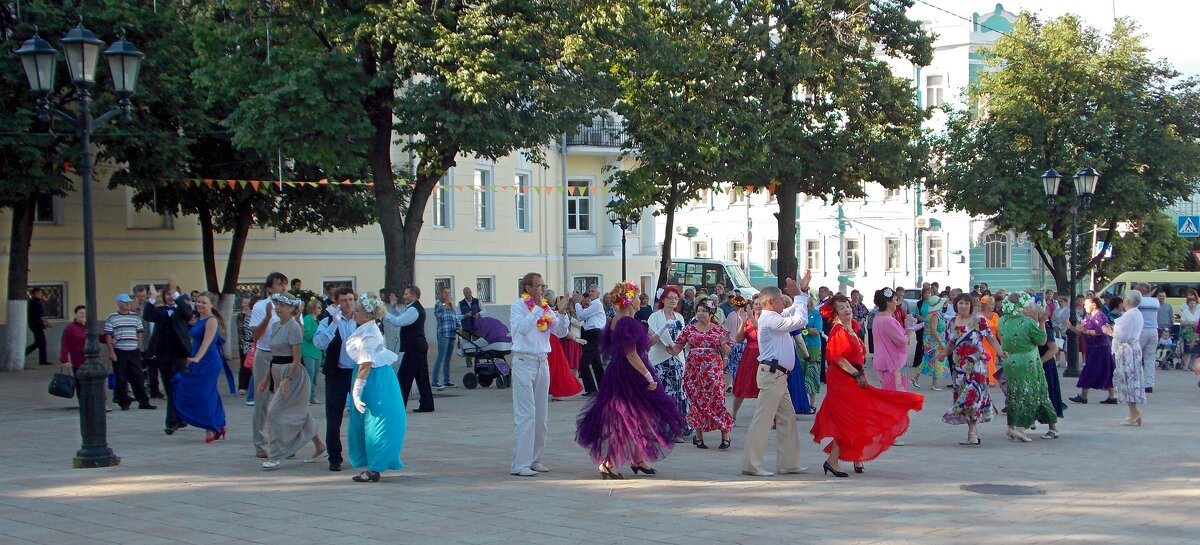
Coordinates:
(1102,483)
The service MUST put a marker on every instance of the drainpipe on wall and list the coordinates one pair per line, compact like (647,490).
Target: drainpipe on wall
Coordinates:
(917,232)
(566,273)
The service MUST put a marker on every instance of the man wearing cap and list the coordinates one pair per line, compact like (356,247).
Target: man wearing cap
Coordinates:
(124,330)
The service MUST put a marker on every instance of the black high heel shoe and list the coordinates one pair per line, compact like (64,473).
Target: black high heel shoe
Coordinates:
(646,470)
(725,444)
(607,472)
(699,443)
(829,469)
(859,468)
(366,476)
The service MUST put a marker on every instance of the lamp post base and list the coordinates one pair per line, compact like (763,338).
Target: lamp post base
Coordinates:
(90,458)
(1071,372)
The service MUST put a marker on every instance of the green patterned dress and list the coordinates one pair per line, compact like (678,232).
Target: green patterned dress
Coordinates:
(1028,396)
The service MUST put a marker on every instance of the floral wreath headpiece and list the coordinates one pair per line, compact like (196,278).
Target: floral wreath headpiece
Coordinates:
(631,289)
(889,293)
(1010,308)
(738,301)
(285,299)
(369,302)
(708,304)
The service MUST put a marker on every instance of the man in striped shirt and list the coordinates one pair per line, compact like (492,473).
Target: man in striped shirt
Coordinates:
(124,331)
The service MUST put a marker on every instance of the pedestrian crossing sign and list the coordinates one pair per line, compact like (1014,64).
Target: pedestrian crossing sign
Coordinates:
(1189,226)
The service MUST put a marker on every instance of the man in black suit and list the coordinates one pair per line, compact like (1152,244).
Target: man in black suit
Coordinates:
(415,364)
(36,314)
(172,341)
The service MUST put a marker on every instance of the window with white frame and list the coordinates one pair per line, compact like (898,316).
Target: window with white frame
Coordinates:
(700,249)
(935,86)
(485,289)
(773,256)
(851,254)
(440,282)
(579,206)
(935,253)
(524,191)
(996,251)
(581,283)
(812,254)
(443,203)
(891,254)
(737,252)
(895,193)
(485,212)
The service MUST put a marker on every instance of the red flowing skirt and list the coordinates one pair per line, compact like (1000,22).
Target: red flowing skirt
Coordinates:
(864,421)
(745,383)
(562,381)
(574,352)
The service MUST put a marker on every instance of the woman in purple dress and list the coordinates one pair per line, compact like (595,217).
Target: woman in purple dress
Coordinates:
(1098,368)
(630,419)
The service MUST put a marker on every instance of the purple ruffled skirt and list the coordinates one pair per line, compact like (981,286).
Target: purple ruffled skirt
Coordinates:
(627,423)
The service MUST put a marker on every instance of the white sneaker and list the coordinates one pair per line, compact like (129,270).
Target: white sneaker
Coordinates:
(795,471)
(898,443)
(525,473)
(538,467)
(250,403)
(759,473)
(271,464)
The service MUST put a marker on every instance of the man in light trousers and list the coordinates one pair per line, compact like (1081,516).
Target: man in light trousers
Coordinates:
(531,372)
(777,358)
(262,322)
(1149,338)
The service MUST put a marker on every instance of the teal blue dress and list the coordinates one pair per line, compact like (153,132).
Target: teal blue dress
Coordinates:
(194,389)
(376,435)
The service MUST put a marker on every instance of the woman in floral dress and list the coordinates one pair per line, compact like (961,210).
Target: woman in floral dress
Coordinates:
(704,376)
(745,385)
(1127,352)
(965,339)
(1028,396)
(935,329)
(665,325)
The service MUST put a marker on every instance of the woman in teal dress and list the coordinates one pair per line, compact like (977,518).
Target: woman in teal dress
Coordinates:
(1021,332)
(377,419)
(935,331)
(196,398)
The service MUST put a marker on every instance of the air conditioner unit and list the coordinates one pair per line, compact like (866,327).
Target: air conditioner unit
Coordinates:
(922,223)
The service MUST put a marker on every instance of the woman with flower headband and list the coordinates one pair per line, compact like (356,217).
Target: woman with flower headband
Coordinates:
(745,382)
(704,378)
(1028,398)
(733,322)
(377,419)
(630,419)
(289,424)
(965,338)
(665,327)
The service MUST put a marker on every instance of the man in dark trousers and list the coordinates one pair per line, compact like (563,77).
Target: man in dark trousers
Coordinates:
(590,310)
(172,342)
(339,369)
(415,364)
(36,315)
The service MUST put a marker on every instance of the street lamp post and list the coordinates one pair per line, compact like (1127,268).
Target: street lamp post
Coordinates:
(622,220)
(1085,185)
(39,59)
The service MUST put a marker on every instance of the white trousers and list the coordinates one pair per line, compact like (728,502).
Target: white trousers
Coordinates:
(531,399)
(1149,342)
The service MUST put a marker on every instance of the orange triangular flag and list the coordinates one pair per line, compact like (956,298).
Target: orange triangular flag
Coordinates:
(254,184)
(209,183)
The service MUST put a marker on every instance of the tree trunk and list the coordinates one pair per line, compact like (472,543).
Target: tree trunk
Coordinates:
(414,216)
(668,238)
(233,269)
(378,108)
(207,250)
(788,265)
(18,283)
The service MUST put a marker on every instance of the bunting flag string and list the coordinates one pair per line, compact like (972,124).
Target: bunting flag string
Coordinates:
(263,185)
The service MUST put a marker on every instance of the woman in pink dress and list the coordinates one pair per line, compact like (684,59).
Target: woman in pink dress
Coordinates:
(891,342)
(707,345)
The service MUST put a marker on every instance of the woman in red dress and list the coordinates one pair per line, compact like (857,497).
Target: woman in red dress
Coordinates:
(704,375)
(563,383)
(745,385)
(862,420)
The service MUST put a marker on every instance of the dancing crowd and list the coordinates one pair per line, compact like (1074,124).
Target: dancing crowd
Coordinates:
(654,371)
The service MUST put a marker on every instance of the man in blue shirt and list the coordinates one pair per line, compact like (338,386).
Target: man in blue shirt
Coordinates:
(339,369)
(469,308)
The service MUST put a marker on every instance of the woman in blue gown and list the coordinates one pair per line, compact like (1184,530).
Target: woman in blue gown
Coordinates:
(796,387)
(377,418)
(197,400)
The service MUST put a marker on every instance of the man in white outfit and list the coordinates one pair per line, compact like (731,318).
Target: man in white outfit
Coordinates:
(776,359)
(531,372)
(1149,339)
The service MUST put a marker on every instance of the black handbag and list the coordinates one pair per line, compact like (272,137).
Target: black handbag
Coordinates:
(62,385)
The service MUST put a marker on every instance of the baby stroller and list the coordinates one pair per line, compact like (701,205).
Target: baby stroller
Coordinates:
(1169,351)
(486,352)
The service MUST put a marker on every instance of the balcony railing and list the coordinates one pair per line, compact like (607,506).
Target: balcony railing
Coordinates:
(600,134)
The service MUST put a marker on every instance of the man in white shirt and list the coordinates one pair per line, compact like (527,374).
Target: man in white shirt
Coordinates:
(590,310)
(776,359)
(531,372)
(1149,338)
(262,323)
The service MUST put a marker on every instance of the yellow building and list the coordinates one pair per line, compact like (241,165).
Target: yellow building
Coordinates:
(479,232)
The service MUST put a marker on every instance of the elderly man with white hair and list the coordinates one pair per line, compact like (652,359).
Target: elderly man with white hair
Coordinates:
(1127,352)
(1148,338)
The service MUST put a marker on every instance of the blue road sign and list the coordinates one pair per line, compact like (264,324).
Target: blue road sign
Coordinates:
(1188,226)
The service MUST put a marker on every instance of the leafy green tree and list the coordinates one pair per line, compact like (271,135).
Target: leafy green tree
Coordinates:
(822,112)
(1060,94)
(455,78)
(1153,245)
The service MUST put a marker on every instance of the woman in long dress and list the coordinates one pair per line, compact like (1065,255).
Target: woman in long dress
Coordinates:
(935,330)
(1028,396)
(987,310)
(377,419)
(630,419)
(197,400)
(733,323)
(813,360)
(289,424)
(863,421)
(704,375)
(1127,353)
(1097,373)
(563,383)
(891,342)
(665,325)
(745,385)
(965,339)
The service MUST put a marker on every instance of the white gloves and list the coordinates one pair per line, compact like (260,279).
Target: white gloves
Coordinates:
(356,395)
(663,330)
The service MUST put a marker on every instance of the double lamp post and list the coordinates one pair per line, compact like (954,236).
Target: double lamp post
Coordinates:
(1085,186)
(39,59)
(623,220)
